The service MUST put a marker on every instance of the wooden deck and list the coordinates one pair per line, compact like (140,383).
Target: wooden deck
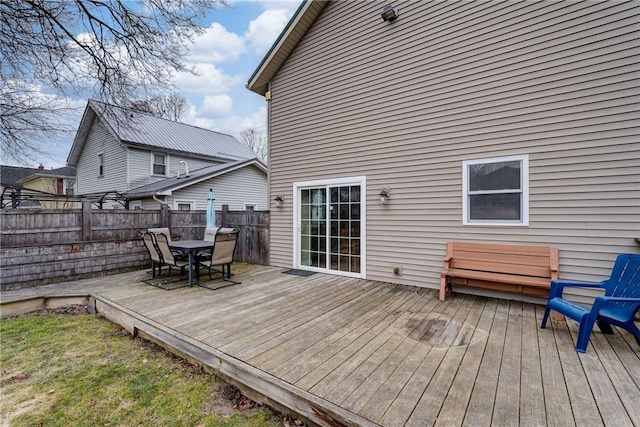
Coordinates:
(343,351)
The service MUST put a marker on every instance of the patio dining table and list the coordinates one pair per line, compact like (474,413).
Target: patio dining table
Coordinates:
(191,247)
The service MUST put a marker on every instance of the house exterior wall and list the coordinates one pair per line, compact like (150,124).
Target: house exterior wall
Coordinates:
(100,140)
(50,185)
(140,166)
(235,188)
(405,103)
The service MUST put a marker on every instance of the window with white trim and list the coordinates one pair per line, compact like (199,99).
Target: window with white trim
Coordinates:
(249,207)
(496,191)
(69,187)
(182,205)
(101,164)
(159,164)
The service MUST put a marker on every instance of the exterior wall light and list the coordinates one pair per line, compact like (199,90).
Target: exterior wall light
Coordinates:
(389,13)
(278,201)
(384,195)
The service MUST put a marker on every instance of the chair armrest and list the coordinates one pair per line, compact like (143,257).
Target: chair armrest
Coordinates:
(601,300)
(557,286)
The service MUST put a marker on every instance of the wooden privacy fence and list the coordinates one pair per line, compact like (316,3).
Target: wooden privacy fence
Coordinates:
(48,246)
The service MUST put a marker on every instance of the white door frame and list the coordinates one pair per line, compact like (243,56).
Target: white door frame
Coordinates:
(297,226)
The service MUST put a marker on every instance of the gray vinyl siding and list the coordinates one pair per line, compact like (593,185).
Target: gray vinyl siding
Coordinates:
(140,166)
(99,141)
(244,185)
(406,103)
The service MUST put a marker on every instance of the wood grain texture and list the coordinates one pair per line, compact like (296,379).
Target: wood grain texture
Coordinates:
(356,352)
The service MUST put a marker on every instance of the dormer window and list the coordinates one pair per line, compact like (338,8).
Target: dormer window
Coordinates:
(159,164)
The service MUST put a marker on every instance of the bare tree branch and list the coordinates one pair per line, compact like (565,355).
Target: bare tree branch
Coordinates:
(257,141)
(171,106)
(111,50)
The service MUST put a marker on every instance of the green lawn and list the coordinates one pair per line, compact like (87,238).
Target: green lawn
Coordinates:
(82,370)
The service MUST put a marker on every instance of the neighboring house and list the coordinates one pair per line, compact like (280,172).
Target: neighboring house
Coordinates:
(56,182)
(11,186)
(120,151)
(444,106)
(241,185)
(37,188)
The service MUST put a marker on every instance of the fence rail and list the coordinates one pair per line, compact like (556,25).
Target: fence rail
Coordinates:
(48,246)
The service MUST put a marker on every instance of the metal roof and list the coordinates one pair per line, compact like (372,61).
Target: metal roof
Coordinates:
(175,183)
(140,129)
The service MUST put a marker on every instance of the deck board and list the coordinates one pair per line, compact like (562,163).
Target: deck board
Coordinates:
(293,318)
(357,352)
(455,405)
(321,380)
(506,406)
(583,405)
(553,375)
(340,340)
(532,409)
(480,409)
(291,347)
(404,404)
(428,407)
(360,371)
(374,382)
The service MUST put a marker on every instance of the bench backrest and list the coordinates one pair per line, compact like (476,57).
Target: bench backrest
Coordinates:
(535,261)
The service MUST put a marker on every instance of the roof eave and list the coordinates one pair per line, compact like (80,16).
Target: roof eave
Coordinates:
(230,168)
(81,136)
(292,33)
(178,184)
(90,114)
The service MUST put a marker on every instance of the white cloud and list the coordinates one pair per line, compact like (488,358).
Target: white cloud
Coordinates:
(257,120)
(231,124)
(265,29)
(217,45)
(289,5)
(217,104)
(210,80)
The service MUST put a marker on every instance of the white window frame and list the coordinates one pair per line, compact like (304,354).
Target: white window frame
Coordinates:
(69,185)
(297,227)
(191,203)
(524,190)
(135,205)
(101,164)
(152,162)
(254,205)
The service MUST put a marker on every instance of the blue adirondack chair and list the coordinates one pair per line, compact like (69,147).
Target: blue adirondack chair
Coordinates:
(618,305)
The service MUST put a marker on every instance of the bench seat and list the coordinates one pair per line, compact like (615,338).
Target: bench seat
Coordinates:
(523,269)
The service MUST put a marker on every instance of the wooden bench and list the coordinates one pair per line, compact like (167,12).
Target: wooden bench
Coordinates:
(524,269)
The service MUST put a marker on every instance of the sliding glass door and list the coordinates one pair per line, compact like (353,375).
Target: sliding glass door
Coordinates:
(330,227)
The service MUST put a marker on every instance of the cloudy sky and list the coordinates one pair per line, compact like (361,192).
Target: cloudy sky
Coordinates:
(225,56)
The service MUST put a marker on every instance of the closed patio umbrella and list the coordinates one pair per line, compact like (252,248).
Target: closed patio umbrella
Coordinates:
(211,210)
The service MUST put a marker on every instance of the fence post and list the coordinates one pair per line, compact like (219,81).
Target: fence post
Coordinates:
(225,216)
(87,213)
(164,216)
